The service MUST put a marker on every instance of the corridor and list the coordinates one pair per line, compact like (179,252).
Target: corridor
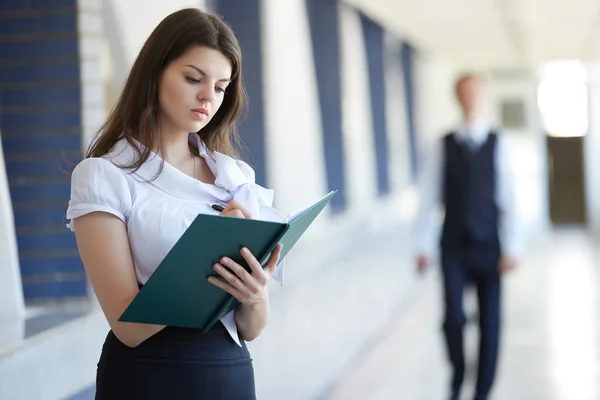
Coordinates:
(345,95)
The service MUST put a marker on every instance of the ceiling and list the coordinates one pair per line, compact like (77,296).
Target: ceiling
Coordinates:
(496,34)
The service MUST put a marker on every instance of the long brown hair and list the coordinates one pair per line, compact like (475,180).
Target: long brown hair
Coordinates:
(135,116)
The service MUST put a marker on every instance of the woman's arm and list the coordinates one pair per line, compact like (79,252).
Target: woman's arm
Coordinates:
(252,318)
(104,248)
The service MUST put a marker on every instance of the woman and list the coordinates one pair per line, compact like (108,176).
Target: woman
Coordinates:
(143,181)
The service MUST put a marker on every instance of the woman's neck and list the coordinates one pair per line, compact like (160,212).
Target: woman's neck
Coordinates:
(174,147)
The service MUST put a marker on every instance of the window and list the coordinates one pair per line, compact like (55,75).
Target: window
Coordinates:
(563,98)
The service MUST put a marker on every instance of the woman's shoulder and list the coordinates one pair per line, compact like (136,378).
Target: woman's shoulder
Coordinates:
(98,167)
(98,174)
(111,164)
(99,185)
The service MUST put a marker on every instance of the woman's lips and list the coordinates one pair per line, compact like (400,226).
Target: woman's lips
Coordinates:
(200,114)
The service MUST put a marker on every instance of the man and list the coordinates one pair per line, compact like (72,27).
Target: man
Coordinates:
(468,172)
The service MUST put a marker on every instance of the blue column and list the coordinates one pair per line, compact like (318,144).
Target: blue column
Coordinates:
(244,18)
(407,56)
(39,120)
(324,29)
(373,35)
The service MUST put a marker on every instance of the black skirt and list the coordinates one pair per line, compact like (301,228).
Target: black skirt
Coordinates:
(176,363)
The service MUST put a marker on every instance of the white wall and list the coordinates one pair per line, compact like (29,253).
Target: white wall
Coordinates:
(93,98)
(357,132)
(397,121)
(295,164)
(12,309)
(436,109)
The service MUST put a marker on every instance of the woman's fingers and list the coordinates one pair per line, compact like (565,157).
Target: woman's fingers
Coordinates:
(235,213)
(235,209)
(257,271)
(273,259)
(238,282)
(237,277)
(226,287)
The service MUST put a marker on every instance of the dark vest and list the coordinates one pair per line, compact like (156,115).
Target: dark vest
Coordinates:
(469,192)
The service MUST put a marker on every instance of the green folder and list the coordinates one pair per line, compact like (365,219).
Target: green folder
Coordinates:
(178,292)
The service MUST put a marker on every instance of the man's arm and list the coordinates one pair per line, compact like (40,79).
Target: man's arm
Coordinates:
(430,182)
(510,229)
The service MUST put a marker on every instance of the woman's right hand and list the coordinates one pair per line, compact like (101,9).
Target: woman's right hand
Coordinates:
(235,209)
(422,261)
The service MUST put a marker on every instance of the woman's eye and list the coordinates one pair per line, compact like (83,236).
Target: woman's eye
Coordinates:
(192,80)
(220,89)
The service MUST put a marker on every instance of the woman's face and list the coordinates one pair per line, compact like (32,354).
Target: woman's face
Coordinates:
(192,89)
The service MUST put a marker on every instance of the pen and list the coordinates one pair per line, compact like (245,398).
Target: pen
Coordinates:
(217,207)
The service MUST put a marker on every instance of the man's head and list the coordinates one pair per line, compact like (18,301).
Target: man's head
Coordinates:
(469,93)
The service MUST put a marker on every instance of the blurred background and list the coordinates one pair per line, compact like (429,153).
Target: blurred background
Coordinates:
(346,95)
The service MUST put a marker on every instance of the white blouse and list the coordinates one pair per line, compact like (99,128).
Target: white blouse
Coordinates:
(158,211)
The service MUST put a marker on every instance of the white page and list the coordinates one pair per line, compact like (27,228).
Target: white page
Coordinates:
(293,216)
(297,213)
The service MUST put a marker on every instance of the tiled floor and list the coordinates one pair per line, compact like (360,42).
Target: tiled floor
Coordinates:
(551,337)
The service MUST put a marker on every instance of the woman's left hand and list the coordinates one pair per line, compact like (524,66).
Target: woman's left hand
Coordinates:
(248,288)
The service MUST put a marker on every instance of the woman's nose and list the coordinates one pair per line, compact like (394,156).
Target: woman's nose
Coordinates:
(206,93)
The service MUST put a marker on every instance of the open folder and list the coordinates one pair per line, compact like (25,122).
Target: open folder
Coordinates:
(178,292)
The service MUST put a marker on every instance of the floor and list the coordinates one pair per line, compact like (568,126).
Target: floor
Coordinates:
(551,336)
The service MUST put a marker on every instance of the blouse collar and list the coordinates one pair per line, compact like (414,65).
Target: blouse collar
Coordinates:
(233,179)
